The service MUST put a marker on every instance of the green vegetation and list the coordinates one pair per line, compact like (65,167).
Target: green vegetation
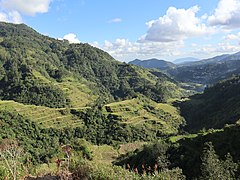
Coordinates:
(217,106)
(193,154)
(208,71)
(44,116)
(39,70)
(164,119)
(72,111)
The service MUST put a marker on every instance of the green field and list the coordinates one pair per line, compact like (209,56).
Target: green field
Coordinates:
(139,111)
(44,116)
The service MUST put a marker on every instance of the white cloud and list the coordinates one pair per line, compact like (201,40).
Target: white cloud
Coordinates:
(233,38)
(125,50)
(72,38)
(115,20)
(12,16)
(177,24)
(11,10)
(226,14)
(215,49)
(27,7)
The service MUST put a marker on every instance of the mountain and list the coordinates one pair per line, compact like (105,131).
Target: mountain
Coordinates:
(217,106)
(51,85)
(208,71)
(55,95)
(212,119)
(37,69)
(70,110)
(153,63)
(185,60)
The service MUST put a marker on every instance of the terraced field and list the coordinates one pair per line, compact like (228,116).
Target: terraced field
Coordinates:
(44,116)
(79,94)
(156,116)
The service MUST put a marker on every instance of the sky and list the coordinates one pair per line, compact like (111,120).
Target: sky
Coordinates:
(130,29)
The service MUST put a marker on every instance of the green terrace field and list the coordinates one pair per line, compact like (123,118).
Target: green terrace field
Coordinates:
(43,116)
(138,112)
(78,93)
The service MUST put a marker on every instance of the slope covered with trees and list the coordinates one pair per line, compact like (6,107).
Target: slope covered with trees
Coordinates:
(31,65)
(54,94)
(217,106)
(70,110)
(210,155)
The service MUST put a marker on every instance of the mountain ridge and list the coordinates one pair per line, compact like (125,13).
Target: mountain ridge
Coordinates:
(153,63)
(185,60)
(26,54)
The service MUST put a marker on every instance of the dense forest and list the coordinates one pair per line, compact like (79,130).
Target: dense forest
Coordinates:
(71,111)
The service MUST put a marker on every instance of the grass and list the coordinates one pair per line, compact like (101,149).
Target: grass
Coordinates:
(79,94)
(174,139)
(40,77)
(140,111)
(104,154)
(44,116)
(168,108)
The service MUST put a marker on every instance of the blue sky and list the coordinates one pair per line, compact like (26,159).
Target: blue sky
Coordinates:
(130,29)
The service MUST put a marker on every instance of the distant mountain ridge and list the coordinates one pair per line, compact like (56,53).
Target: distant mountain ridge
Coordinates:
(208,71)
(185,60)
(153,63)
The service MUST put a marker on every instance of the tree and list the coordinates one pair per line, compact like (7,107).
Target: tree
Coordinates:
(67,150)
(10,153)
(230,167)
(211,168)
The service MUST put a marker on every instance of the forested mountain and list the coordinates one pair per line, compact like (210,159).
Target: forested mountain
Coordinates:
(34,68)
(208,71)
(217,106)
(192,70)
(71,110)
(153,63)
(54,93)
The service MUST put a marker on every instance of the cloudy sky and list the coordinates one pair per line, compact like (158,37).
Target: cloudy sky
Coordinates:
(130,29)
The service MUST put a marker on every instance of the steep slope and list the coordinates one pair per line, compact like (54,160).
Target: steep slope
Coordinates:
(39,70)
(153,63)
(143,113)
(217,106)
(64,87)
(187,152)
(45,117)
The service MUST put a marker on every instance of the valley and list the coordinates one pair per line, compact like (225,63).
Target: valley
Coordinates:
(72,111)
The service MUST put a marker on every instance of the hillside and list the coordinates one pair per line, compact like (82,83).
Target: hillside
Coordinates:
(214,152)
(143,113)
(153,63)
(208,71)
(39,70)
(217,106)
(75,105)
(57,85)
